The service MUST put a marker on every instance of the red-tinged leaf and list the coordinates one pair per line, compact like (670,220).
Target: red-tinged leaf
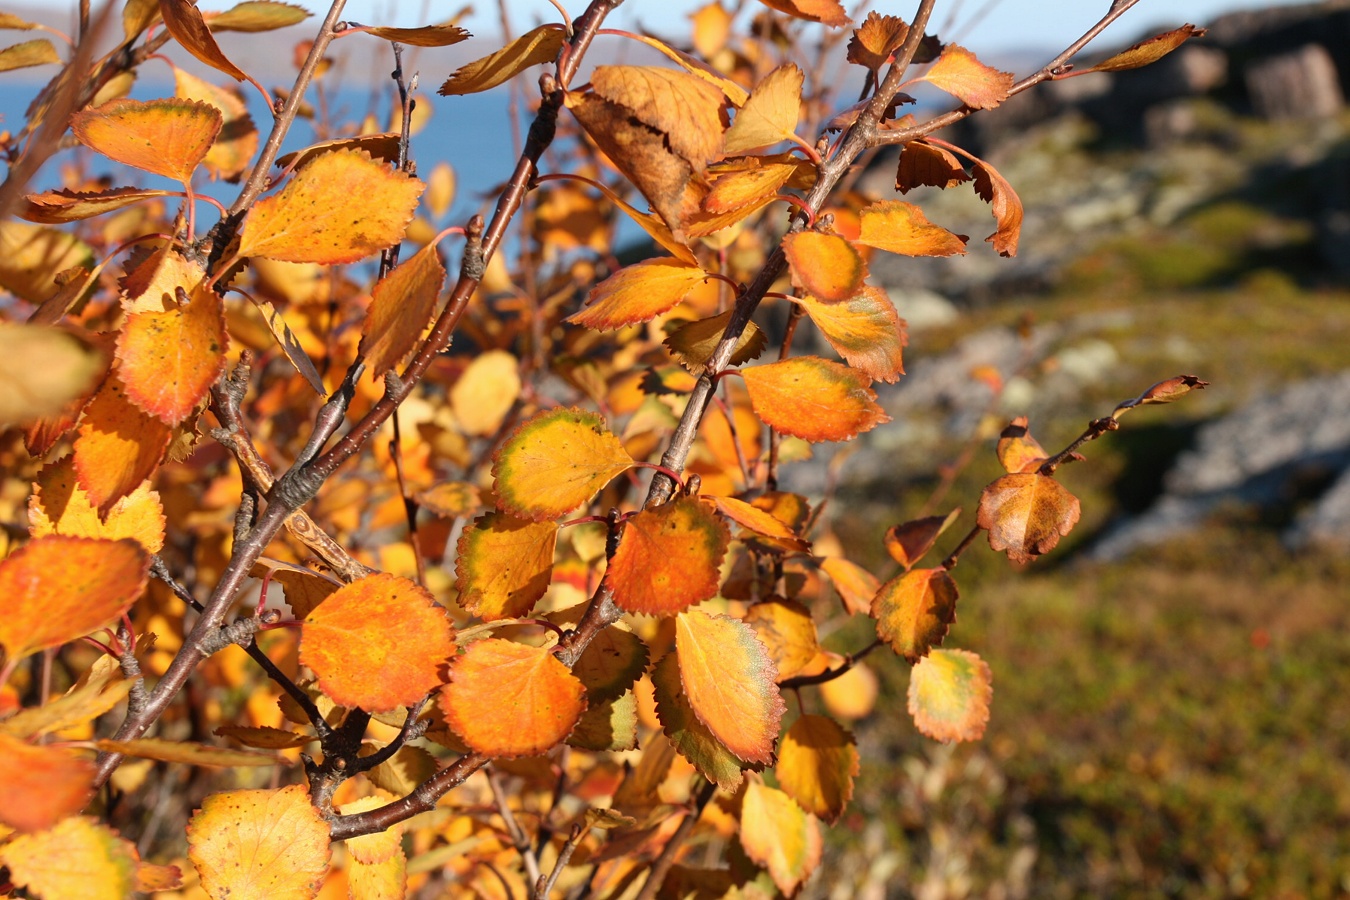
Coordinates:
(608,726)
(856,585)
(69,367)
(504,565)
(668,558)
(302,588)
(62,206)
(264,737)
(686,108)
(915,610)
(534,700)
(117,446)
(826,12)
(59,505)
(234,147)
(949,694)
(38,52)
(252,16)
(994,189)
(56,589)
(908,542)
(728,680)
(401,307)
(813,399)
(530,49)
(770,114)
(689,736)
(554,462)
(382,146)
(778,835)
(184,21)
(960,74)
(1147,51)
(826,266)
(339,208)
(270,844)
(787,631)
(876,39)
(1163,392)
(923,165)
(899,227)
(1026,514)
(77,858)
(187,752)
(377,643)
(757,520)
(638,293)
(817,763)
(610,664)
(693,344)
(42,785)
(168,137)
(1017,450)
(442,35)
(865,329)
(169,360)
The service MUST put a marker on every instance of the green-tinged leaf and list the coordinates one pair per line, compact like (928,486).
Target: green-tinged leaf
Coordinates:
(915,610)
(504,565)
(608,726)
(38,52)
(611,662)
(688,735)
(949,694)
(554,462)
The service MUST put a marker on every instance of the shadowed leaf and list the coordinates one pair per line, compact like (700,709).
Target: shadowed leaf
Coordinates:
(875,40)
(817,763)
(915,610)
(442,35)
(401,307)
(66,860)
(922,164)
(184,21)
(290,345)
(909,541)
(31,256)
(532,48)
(59,505)
(1017,450)
(503,565)
(610,664)
(60,207)
(826,12)
(787,631)
(856,585)
(687,109)
(117,445)
(778,835)
(693,343)
(69,367)
(949,694)
(994,189)
(382,146)
(237,141)
(689,736)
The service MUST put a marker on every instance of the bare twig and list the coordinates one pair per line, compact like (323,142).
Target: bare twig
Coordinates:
(518,835)
(657,875)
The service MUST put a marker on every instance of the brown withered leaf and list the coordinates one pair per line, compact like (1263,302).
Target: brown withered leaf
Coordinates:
(530,49)
(995,190)
(185,23)
(909,541)
(1026,514)
(442,35)
(876,39)
(923,164)
(1147,51)
(1017,450)
(689,111)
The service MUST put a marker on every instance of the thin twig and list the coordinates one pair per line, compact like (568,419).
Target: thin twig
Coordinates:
(518,835)
(829,674)
(656,876)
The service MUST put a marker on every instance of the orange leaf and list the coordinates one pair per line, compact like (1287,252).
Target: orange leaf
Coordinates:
(826,12)
(339,208)
(949,694)
(748,187)
(728,680)
(187,752)
(59,588)
(377,643)
(534,700)
(787,631)
(915,610)
(865,329)
(42,785)
(238,139)
(401,307)
(668,558)
(817,763)
(770,114)
(693,344)
(696,67)
(1026,514)
(1147,51)
(184,21)
(687,109)
(442,35)
(690,737)
(900,227)
(856,585)
(994,189)
(960,74)
(876,39)
(908,542)
(169,360)
(638,293)
(1017,450)
(117,446)
(532,48)
(151,283)
(712,29)
(554,462)
(778,835)
(504,565)
(76,858)
(168,137)
(826,266)
(151,878)
(486,392)
(757,520)
(813,399)
(60,207)
(922,164)
(270,844)
(59,505)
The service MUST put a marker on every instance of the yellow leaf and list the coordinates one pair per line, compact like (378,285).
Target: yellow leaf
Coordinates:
(778,835)
(187,752)
(168,137)
(554,462)
(77,858)
(787,631)
(257,15)
(442,35)
(38,52)
(504,565)
(533,48)
(31,256)
(770,114)
(856,586)
(817,763)
(900,227)
(687,109)
(98,690)
(381,145)
(259,844)
(59,505)
(485,392)
(949,694)
(694,342)
(371,849)
(68,367)
(865,329)
(238,139)
(1148,51)
(401,307)
(638,293)
(813,399)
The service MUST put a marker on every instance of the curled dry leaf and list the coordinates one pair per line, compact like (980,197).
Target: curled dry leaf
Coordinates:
(259,844)
(638,293)
(1017,450)
(62,206)
(749,186)
(960,74)
(813,399)
(1163,392)
(865,329)
(908,542)
(184,21)
(780,836)
(817,763)
(693,343)
(533,48)
(915,610)
(770,114)
(875,40)
(688,735)
(994,189)
(949,694)
(401,307)
(383,145)
(1026,514)
(686,109)
(187,752)
(1147,51)
(554,462)
(899,227)
(668,558)
(443,35)
(826,266)
(504,565)
(922,164)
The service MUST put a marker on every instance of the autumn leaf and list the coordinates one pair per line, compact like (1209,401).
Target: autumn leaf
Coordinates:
(949,694)
(817,763)
(372,849)
(69,367)
(57,588)
(1026,514)
(39,52)
(638,293)
(865,330)
(62,206)
(770,115)
(70,858)
(1017,450)
(668,558)
(855,585)
(184,21)
(31,256)
(264,737)
(533,48)
(813,399)
(748,188)
(486,392)
(611,662)
(503,565)
(187,752)
(377,643)
(960,74)
(687,109)
(58,505)
(915,610)
(554,462)
(875,40)
(401,773)
(688,735)
(117,445)
(994,189)
(899,227)
(401,307)
(450,499)
(826,12)
(1163,392)
(290,345)
(1147,51)
(338,208)
(237,141)
(151,283)
(608,726)
(758,521)
(924,165)
(693,343)
(169,360)
(265,843)
(787,631)
(535,700)
(728,679)
(253,16)
(168,137)
(381,145)
(442,35)
(302,588)
(778,835)
(909,541)
(826,266)
(42,785)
